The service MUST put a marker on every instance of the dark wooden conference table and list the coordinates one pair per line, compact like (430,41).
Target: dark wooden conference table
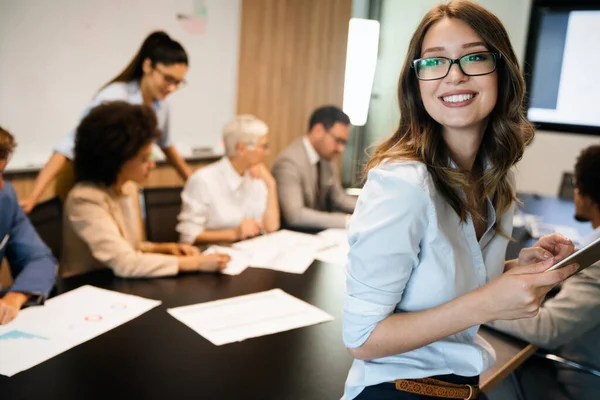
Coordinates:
(156,357)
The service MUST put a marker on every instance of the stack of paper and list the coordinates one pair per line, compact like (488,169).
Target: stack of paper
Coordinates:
(243,317)
(537,228)
(283,250)
(40,333)
(238,263)
(338,252)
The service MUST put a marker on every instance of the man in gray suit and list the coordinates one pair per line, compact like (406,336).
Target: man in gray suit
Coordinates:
(568,324)
(311,196)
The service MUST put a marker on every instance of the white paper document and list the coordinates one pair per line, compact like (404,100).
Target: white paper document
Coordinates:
(337,236)
(334,255)
(283,250)
(238,263)
(524,220)
(283,238)
(65,321)
(338,252)
(537,228)
(253,315)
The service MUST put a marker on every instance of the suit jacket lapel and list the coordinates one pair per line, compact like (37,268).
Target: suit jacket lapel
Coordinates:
(307,169)
(117,215)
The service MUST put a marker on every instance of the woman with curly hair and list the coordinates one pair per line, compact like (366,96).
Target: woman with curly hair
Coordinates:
(101,227)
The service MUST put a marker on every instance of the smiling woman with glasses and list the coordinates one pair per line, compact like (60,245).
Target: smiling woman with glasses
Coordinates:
(157,70)
(428,238)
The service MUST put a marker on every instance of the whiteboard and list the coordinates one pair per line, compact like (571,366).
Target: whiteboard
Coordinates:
(55,55)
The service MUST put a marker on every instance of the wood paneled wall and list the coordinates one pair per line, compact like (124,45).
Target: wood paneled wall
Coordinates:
(292,60)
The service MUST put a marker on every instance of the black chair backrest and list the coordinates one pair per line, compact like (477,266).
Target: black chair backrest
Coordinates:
(46,218)
(161,208)
(566,186)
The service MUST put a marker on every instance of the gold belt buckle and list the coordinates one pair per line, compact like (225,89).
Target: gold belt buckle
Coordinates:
(471,393)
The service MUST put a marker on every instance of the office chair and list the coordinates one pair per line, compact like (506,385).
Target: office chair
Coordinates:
(566,187)
(568,363)
(161,208)
(46,218)
(553,358)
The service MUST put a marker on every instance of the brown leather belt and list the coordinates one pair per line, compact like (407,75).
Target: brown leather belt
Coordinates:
(434,387)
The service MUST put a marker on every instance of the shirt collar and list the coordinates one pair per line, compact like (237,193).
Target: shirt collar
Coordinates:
(136,93)
(313,156)
(595,234)
(487,163)
(233,179)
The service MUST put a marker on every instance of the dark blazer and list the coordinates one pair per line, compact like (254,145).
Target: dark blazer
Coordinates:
(31,262)
(296,191)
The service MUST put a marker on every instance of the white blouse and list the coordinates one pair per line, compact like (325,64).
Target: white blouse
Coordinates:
(217,197)
(409,251)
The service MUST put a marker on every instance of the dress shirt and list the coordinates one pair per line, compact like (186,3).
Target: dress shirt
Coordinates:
(217,197)
(313,157)
(409,252)
(131,93)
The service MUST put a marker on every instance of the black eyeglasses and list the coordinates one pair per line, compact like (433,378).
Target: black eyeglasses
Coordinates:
(264,146)
(338,140)
(171,80)
(473,64)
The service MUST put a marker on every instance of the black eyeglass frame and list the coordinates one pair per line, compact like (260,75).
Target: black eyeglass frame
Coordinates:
(170,80)
(338,140)
(497,56)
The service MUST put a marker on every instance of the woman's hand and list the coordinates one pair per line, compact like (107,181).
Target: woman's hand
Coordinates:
(176,249)
(203,262)
(260,171)
(248,228)
(519,292)
(27,204)
(185,249)
(553,246)
(214,262)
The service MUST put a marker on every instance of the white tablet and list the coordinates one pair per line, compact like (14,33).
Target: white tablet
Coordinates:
(585,257)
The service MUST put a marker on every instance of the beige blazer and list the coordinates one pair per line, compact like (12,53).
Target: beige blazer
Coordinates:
(102,229)
(296,188)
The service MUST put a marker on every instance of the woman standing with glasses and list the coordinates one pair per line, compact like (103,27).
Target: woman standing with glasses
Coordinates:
(429,234)
(156,71)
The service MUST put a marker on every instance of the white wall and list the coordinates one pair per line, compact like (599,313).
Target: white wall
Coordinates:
(54,55)
(550,153)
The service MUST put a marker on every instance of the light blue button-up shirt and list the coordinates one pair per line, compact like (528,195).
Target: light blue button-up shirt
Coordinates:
(409,252)
(131,93)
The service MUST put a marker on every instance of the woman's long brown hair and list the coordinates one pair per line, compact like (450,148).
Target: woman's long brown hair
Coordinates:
(419,137)
(158,47)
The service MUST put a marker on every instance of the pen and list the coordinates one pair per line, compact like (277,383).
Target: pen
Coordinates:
(4,241)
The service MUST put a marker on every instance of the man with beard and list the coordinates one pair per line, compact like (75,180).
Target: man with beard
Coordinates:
(568,325)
